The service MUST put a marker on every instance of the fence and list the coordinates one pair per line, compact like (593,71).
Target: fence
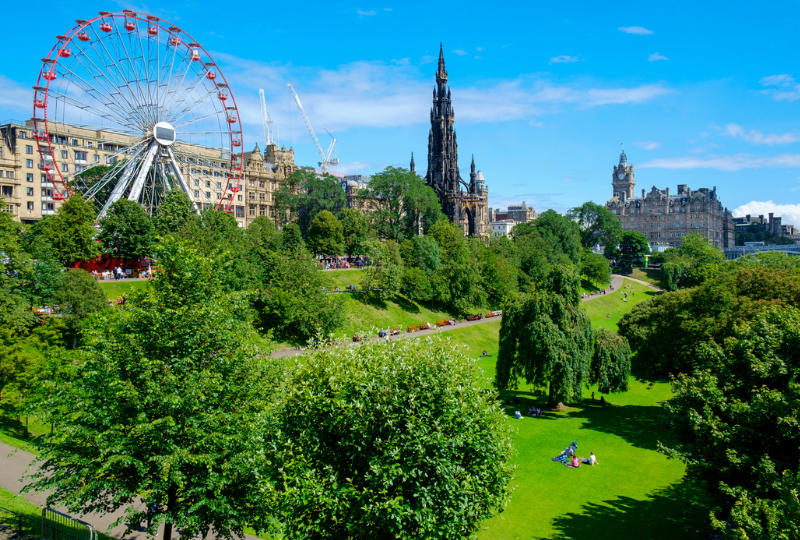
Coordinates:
(19,520)
(58,526)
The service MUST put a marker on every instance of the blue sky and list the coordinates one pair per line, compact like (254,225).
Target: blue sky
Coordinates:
(701,93)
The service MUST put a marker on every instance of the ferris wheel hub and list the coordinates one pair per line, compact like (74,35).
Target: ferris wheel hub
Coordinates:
(164,133)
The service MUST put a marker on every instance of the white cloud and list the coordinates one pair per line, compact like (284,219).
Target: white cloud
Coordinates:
(460,52)
(479,49)
(638,30)
(564,59)
(639,94)
(776,80)
(15,97)
(789,213)
(781,87)
(362,13)
(756,137)
(647,145)
(725,163)
(655,57)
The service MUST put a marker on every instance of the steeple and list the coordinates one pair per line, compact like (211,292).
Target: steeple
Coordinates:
(472,167)
(441,73)
(623,159)
(412,163)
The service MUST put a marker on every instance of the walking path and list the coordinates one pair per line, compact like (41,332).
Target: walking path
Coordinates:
(402,335)
(13,466)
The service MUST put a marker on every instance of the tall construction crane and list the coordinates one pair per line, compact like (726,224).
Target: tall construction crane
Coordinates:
(326,158)
(268,136)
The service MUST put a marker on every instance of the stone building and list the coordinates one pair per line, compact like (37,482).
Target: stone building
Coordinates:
(520,213)
(665,218)
(468,208)
(772,224)
(352,184)
(29,195)
(502,228)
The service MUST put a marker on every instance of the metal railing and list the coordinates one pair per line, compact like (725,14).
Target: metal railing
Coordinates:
(58,526)
(19,520)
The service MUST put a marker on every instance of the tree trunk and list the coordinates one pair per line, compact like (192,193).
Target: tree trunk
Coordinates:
(171,502)
(550,400)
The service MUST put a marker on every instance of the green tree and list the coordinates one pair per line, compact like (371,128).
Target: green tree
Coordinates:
(174,213)
(305,194)
(611,362)
(546,338)
(691,263)
(390,442)
(458,282)
(262,234)
(79,296)
(598,225)
(633,246)
(401,204)
(688,317)
(15,311)
(416,285)
(355,228)
(71,231)
(291,238)
(500,279)
(383,276)
(736,430)
(291,300)
(168,406)
(127,231)
(425,254)
(595,269)
(13,359)
(325,236)
(558,231)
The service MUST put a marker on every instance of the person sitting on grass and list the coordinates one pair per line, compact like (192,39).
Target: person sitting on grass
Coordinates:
(532,411)
(574,463)
(518,415)
(484,354)
(592,459)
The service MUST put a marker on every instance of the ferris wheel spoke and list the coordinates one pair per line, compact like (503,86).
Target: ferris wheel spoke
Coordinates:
(108,114)
(146,68)
(109,92)
(193,120)
(110,71)
(111,175)
(180,115)
(173,90)
(114,62)
(190,91)
(136,75)
(168,74)
(131,167)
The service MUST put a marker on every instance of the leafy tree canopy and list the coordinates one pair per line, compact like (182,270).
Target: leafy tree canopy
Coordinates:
(595,269)
(174,213)
(71,231)
(79,296)
(305,194)
(383,276)
(597,225)
(325,236)
(390,442)
(684,319)
(127,231)
(170,400)
(355,229)
(736,424)
(546,339)
(691,263)
(633,246)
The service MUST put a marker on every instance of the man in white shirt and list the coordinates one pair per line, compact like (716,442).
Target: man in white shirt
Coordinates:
(592,459)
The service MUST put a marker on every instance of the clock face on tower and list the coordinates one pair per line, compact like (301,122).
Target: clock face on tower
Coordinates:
(621,175)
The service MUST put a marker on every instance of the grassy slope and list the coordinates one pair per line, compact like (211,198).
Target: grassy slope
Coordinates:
(17,504)
(115,289)
(612,304)
(633,492)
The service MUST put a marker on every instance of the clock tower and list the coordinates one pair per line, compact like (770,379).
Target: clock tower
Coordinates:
(622,178)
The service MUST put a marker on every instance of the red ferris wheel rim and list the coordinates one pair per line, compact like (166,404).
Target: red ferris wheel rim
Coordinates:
(236,160)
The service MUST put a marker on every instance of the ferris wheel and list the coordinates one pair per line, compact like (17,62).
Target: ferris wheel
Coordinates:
(150,101)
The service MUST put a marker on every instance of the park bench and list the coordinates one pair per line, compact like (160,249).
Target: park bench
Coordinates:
(426,326)
(413,328)
(473,317)
(442,323)
(395,331)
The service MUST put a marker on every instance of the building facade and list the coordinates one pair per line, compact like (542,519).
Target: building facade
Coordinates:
(28,194)
(666,218)
(521,213)
(468,208)
(771,224)
(502,228)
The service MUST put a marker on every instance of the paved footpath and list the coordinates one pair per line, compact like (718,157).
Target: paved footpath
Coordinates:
(13,466)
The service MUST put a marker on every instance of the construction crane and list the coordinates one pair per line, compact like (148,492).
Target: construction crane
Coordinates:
(326,158)
(268,136)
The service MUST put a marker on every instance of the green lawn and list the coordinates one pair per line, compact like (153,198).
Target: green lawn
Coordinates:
(15,503)
(115,289)
(612,304)
(12,431)
(633,492)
